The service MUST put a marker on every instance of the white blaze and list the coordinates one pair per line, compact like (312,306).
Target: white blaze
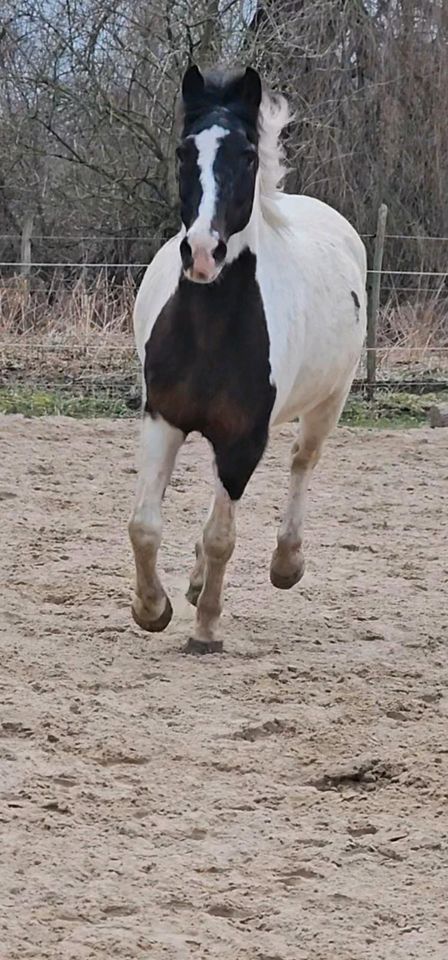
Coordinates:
(200,233)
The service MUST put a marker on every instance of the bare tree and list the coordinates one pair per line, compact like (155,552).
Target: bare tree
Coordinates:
(88,95)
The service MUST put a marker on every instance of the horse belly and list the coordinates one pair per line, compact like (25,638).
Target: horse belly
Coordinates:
(315,343)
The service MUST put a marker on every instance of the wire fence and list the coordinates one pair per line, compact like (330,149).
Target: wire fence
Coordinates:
(83,359)
(102,265)
(150,238)
(104,357)
(107,365)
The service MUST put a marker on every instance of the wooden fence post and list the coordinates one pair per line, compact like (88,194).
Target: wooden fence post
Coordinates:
(25,248)
(374,299)
(25,269)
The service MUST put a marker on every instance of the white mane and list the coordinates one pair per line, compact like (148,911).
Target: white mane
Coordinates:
(273,117)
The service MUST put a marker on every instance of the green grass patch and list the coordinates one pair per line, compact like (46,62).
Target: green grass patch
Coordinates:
(387,410)
(37,402)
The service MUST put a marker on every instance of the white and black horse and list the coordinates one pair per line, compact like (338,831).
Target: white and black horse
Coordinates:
(254,314)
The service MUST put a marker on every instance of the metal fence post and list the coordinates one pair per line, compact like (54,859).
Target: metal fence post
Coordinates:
(374,299)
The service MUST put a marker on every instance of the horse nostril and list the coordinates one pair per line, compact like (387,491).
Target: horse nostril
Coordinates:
(220,252)
(186,254)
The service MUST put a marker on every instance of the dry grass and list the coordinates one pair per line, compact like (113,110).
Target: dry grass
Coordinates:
(420,323)
(86,307)
(413,336)
(71,351)
(89,305)
(80,334)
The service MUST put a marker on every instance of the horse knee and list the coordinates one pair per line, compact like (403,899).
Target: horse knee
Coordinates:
(145,530)
(218,543)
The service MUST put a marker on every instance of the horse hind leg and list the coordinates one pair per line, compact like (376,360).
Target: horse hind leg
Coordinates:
(288,561)
(197,575)
(151,608)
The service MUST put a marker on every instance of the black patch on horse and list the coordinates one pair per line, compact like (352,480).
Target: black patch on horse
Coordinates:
(356,302)
(190,188)
(207,368)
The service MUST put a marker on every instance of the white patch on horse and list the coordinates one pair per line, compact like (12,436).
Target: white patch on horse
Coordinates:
(207,143)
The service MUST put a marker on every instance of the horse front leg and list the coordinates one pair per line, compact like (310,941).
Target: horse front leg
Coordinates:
(197,574)
(235,464)
(213,555)
(160,443)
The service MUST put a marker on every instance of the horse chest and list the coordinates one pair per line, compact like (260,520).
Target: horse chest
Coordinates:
(207,360)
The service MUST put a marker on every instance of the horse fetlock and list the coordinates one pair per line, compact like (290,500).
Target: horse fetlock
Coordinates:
(193,592)
(209,612)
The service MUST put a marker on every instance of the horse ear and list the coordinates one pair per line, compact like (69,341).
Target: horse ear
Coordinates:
(249,88)
(192,84)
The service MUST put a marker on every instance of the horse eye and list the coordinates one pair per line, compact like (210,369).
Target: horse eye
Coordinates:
(184,152)
(250,157)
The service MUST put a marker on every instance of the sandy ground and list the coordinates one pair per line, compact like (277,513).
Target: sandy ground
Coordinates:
(285,801)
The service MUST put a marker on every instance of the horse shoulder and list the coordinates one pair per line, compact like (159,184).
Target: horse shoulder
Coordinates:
(159,283)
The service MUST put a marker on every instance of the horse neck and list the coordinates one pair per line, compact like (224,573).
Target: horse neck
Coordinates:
(250,236)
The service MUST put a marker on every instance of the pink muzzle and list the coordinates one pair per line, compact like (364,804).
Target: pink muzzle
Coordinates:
(204,267)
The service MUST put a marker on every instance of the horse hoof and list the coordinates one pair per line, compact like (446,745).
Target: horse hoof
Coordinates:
(153,626)
(284,581)
(201,647)
(193,594)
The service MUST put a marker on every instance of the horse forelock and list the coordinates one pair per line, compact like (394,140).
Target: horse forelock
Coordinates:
(218,103)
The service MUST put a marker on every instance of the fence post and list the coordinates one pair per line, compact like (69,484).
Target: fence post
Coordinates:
(374,299)
(25,268)
(25,247)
